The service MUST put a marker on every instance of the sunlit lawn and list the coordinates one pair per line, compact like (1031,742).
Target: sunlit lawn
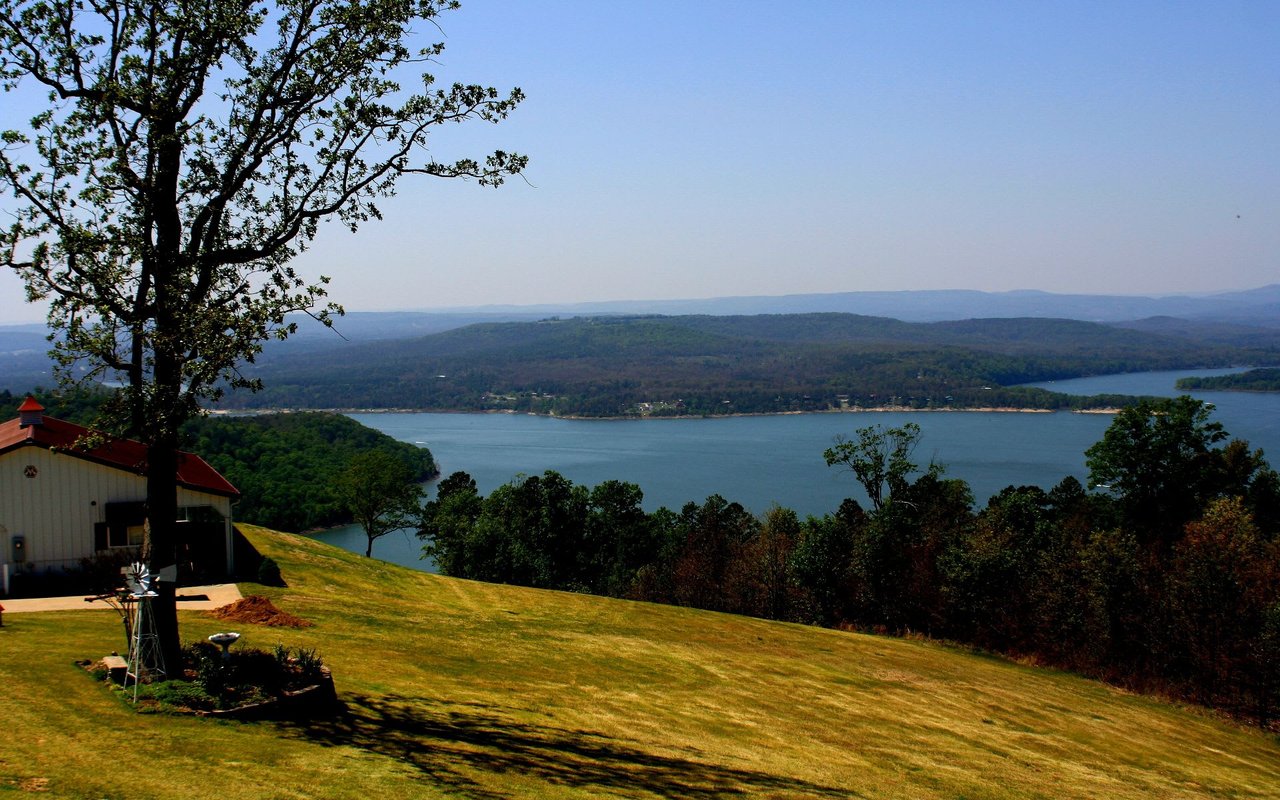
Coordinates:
(460,689)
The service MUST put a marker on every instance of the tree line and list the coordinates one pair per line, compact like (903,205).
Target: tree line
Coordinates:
(1255,380)
(1164,576)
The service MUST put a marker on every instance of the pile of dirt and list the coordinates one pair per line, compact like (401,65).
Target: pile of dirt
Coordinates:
(258,610)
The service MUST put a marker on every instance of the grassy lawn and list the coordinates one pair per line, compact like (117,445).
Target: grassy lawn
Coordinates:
(461,689)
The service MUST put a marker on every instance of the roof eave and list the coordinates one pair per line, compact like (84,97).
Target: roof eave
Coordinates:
(232,493)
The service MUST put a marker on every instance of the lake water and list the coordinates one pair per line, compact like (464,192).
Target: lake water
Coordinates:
(766,460)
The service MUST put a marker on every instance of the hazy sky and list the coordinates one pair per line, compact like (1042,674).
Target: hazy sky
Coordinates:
(721,147)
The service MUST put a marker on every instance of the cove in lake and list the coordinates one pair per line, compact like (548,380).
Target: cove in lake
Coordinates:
(760,461)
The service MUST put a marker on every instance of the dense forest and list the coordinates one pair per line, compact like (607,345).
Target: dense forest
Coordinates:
(286,466)
(704,365)
(1164,578)
(1255,380)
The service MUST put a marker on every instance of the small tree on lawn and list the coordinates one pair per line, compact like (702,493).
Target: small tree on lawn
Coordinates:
(379,491)
(179,154)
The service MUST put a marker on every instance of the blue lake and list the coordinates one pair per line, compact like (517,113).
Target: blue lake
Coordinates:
(766,460)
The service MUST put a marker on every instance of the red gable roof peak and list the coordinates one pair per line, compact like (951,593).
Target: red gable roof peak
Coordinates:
(30,404)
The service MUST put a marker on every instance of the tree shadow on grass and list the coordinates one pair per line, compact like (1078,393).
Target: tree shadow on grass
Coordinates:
(455,745)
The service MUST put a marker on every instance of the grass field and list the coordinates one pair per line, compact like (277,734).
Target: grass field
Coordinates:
(461,689)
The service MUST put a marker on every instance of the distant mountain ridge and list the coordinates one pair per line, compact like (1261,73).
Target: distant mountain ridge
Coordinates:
(1235,319)
(1255,308)
(1259,306)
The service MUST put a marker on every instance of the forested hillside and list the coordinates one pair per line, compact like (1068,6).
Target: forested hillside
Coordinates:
(1255,380)
(287,465)
(618,366)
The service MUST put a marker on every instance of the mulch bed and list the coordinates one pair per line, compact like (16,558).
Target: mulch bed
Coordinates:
(258,610)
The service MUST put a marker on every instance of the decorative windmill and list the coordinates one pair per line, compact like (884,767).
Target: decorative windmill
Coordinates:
(145,658)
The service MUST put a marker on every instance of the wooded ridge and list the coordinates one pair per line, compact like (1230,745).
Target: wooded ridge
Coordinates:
(702,365)
(1255,380)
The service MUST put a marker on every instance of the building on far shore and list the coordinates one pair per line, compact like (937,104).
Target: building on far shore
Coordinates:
(65,501)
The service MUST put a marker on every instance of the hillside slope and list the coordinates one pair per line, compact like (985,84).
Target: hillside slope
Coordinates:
(460,689)
(617,366)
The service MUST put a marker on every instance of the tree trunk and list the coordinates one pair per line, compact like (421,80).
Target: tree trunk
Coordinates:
(162,546)
(162,502)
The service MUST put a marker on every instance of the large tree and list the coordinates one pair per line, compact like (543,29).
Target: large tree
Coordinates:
(181,154)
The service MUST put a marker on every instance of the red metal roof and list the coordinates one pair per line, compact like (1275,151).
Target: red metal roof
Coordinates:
(55,434)
(30,404)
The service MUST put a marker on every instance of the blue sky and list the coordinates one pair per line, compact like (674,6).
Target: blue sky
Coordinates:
(714,148)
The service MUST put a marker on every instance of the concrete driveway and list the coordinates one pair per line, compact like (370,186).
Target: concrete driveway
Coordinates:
(195,598)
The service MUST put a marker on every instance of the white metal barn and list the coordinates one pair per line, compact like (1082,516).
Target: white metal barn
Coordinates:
(62,502)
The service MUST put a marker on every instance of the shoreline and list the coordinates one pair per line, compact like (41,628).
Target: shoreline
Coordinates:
(645,417)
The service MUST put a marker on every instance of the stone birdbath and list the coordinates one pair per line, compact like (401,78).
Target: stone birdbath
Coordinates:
(225,640)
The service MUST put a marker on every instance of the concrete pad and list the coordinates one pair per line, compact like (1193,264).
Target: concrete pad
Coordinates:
(205,598)
(193,598)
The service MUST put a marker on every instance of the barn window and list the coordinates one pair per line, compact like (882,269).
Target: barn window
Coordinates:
(125,523)
(199,514)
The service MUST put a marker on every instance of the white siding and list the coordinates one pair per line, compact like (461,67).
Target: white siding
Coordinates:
(191,497)
(57,508)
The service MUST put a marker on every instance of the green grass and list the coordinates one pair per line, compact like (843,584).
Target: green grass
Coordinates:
(461,689)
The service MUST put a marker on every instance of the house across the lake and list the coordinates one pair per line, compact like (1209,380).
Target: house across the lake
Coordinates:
(66,499)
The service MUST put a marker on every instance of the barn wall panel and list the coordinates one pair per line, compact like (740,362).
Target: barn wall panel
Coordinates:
(56,509)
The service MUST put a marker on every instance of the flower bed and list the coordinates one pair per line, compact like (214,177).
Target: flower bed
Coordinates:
(249,684)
